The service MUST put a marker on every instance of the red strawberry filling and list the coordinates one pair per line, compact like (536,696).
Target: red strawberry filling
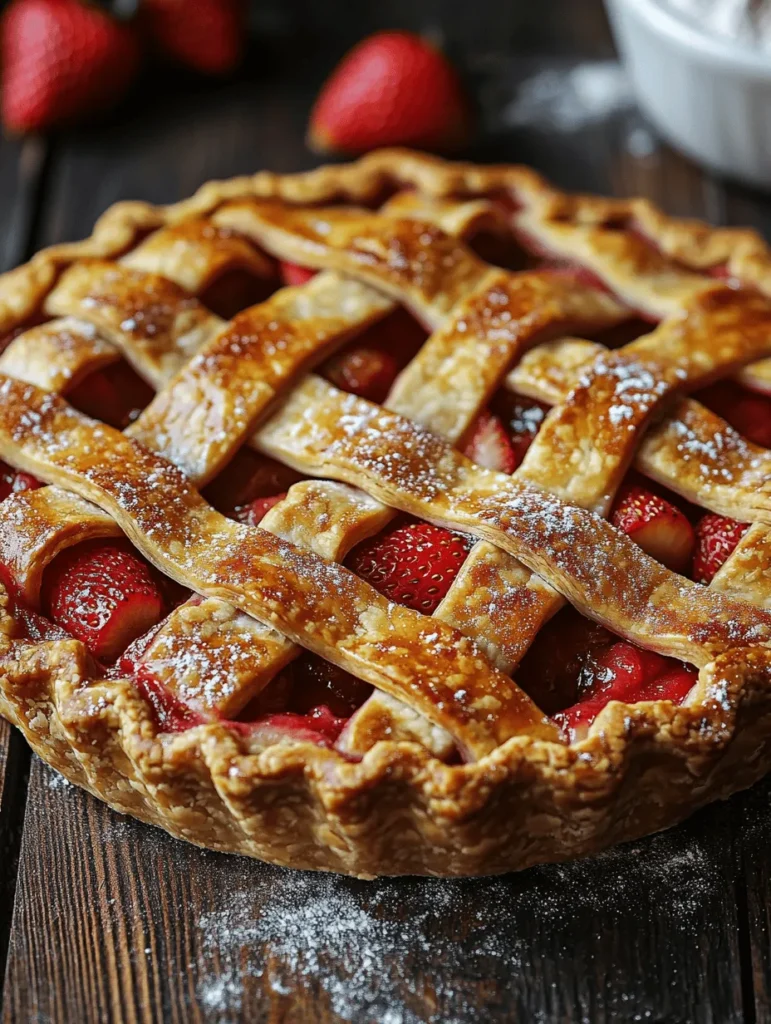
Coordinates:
(746,411)
(369,365)
(294,274)
(658,526)
(522,419)
(247,478)
(624,672)
(413,563)
(716,538)
(366,372)
(490,446)
(575,667)
(103,593)
(233,291)
(254,513)
(114,395)
(170,714)
(12,481)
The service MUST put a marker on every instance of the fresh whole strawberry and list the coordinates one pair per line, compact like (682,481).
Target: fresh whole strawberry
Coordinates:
(489,445)
(103,593)
(205,35)
(62,60)
(414,563)
(393,88)
(716,538)
(656,525)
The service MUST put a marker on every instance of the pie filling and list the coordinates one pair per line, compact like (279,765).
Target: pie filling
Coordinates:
(105,594)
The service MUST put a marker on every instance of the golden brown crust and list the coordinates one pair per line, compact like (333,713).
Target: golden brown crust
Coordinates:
(528,796)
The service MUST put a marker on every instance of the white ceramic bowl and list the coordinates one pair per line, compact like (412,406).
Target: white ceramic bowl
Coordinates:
(708,96)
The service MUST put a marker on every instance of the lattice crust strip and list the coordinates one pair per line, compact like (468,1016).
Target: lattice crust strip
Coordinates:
(264,592)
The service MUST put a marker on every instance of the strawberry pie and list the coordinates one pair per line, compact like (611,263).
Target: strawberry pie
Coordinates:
(395,517)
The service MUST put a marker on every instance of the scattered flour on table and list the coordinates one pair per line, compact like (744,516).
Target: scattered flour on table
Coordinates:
(569,99)
(372,951)
(56,781)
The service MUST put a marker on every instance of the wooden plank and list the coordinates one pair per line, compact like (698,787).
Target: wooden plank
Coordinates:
(118,922)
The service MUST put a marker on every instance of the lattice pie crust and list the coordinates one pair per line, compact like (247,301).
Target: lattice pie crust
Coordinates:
(387,799)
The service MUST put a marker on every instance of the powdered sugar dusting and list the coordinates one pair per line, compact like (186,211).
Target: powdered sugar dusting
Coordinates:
(414,951)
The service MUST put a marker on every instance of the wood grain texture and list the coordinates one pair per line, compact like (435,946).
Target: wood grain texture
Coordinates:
(117,922)
(114,921)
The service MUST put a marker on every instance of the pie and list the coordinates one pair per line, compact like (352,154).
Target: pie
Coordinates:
(450,557)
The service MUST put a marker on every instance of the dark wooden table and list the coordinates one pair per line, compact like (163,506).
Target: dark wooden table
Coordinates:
(104,919)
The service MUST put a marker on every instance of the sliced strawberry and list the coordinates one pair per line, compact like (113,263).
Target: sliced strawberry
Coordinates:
(366,372)
(552,670)
(656,525)
(399,333)
(103,593)
(369,365)
(413,563)
(746,411)
(294,274)
(673,684)
(489,445)
(394,88)
(716,538)
(253,513)
(621,669)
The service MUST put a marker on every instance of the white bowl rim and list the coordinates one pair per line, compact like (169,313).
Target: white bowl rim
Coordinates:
(741,59)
